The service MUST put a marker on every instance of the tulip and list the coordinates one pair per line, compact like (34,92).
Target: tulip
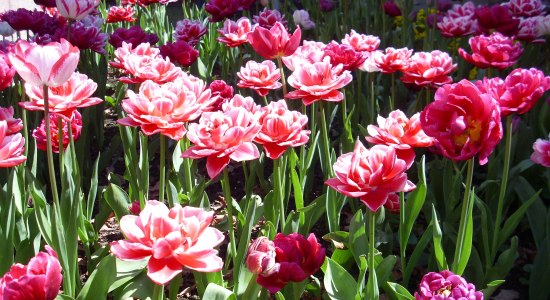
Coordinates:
(50,65)
(260,77)
(391,9)
(275,42)
(429,68)
(281,128)
(127,49)
(221,93)
(86,36)
(180,52)
(76,128)
(446,285)
(14,124)
(497,18)
(170,239)
(526,8)
(464,122)
(268,17)
(261,257)
(6,71)
(301,18)
(76,9)
(496,51)
(63,100)
(189,31)
(45,3)
(345,55)
(370,175)
(224,135)
(392,204)
(233,33)
(392,60)
(541,154)
(121,14)
(361,42)
(221,9)
(134,35)
(326,5)
(309,53)
(143,66)
(23,19)
(457,26)
(12,150)
(319,81)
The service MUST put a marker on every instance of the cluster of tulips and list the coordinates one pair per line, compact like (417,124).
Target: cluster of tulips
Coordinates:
(460,120)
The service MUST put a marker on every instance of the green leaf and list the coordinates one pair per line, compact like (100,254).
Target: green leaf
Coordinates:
(358,241)
(126,271)
(539,289)
(216,292)
(464,247)
(63,297)
(339,284)
(513,221)
(413,205)
(491,288)
(339,239)
(400,292)
(117,199)
(505,262)
(140,287)
(384,268)
(97,285)
(437,235)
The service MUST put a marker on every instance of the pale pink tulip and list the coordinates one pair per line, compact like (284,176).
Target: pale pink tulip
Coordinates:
(261,77)
(76,9)
(163,108)
(50,65)
(370,175)
(261,256)
(319,81)
(171,239)
(142,68)
(143,49)
(12,147)
(429,68)
(310,52)
(526,8)
(223,135)
(234,33)
(75,93)
(541,154)
(392,60)
(14,124)
(281,128)
(40,279)
(361,42)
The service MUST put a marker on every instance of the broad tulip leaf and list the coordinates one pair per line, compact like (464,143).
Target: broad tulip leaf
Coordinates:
(338,282)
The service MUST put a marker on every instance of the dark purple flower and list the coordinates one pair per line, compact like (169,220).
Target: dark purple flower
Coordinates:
(221,9)
(327,5)
(497,17)
(88,37)
(391,9)
(444,5)
(134,35)
(24,19)
(245,4)
(46,3)
(189,31)
(180,52)
(268,17)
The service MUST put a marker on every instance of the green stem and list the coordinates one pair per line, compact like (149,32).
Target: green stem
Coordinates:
(326,143)
(265,101)
(60,144)
(277,187)
(162,168)
(283,79)
(158,292)
(49,152)
(373,291)
(392,100)
(463,219)
(503,185)
(402,248)
(229,202)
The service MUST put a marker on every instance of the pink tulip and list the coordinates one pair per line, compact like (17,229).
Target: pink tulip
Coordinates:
(464,121)
(14,125)
(49,65)
(75,93)
(457,27)
(275,42)
(392,204)
(309,53)
(345,55)
(127,49)
(319,81)
(12,148)
(6,71)
(260,77)
(40,133)
(121,14)
(497,18)
(429,68)
(519,92)
(281,128)
(496,50)
(361,42)
(529,29)
(526,8)
(221,93)
(402,133)
(76,9)
(370,175)
(268,17)
(163,109)
(541,154)
(392,60)
(446,285)
(289,258)
(40,279)
(171,239)
(224,135)
(234,33)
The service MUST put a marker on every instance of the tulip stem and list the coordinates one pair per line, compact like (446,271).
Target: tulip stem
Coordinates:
(392,100)
(60,145)
(162,169)
(283,79)
(326,144)
(158,292)
(503,184)
(277,188)
(463,218)
(49,152)
(372,286)
(229,202)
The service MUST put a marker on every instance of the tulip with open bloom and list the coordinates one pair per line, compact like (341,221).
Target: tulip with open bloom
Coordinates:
(275,42)
(446,285)
(76,9)
(464,122)
(541,154)
(223,135)
(318,81)
(361,42)
(402,133)
(6,71)
(370,175)
(12,147)
(75,122)
(429,69)
(310,52)
(392,60)
(233,33)
(51,64)
(281,128)
(261,77)
(14,124)
(75,93)
(171,239)
(163,108)
(496,51)
(40,279)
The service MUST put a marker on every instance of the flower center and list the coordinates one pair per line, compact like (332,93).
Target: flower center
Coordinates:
(445,291)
